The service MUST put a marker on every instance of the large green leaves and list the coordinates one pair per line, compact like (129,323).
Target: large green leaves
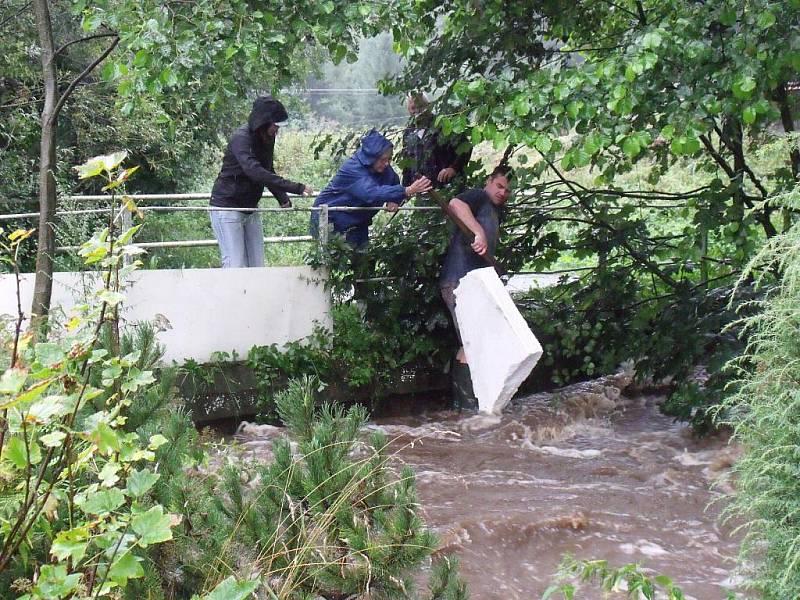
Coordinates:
(152,526)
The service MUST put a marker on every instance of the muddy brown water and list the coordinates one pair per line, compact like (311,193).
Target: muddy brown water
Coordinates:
(586,471)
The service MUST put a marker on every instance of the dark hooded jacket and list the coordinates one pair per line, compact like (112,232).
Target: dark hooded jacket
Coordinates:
(356,184)
(247,165)
(431,153)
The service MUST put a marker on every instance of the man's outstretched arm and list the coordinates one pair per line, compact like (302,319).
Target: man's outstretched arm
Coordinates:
(463,212)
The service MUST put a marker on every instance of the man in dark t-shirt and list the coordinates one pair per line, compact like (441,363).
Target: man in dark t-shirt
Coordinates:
(479,210)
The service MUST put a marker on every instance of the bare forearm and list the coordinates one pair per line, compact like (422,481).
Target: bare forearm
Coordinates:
(463,212)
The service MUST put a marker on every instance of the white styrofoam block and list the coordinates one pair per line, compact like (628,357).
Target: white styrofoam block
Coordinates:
(501,349)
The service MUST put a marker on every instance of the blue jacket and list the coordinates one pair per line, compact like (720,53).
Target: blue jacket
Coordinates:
(356,184)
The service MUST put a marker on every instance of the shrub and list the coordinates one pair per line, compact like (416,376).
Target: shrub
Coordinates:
(76,515)
(330,518)
(763,408)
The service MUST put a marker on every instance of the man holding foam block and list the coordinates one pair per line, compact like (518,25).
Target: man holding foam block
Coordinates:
(479,210)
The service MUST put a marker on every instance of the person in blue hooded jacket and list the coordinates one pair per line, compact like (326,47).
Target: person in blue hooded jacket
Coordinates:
(366,179)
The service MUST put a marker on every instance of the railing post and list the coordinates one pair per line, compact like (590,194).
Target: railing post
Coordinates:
(126,222)
(323,227)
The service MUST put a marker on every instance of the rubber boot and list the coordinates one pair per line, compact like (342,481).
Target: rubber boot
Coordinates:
(463,395)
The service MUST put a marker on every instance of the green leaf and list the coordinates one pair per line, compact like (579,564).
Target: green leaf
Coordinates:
(592,143)
(663,581)
(230,589)
(106,438)
(543,143)
(743,86)
(111,297)
(749,115)
(108,474)
(12,381)
(141,59)
(651,39)
(53,440)
(727,16)
(33,392)
(125,567)
(44,410)
(103,501)
(522,107)
(476,86)
(16,452)
(766,20)
(328,7)
(54,582)
(95,166)
(156,441)
(168,77)
(691,145)
(139,482)
(153,526)
(111,373)
(71,544)
(137,380)
(630,146)
(91,22)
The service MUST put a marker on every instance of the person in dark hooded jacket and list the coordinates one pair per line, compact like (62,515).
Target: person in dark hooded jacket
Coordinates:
(247,168)
(366,179)
(427,151)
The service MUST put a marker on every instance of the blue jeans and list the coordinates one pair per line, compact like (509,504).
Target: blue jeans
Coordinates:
(357,236)
(240,237)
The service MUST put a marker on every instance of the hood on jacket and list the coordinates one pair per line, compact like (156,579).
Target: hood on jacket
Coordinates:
(266,110)
(372,147)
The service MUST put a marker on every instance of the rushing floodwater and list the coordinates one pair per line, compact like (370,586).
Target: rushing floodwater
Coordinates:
(585,471)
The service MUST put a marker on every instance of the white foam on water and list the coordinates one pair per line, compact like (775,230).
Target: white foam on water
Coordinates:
(480,422)
(429,431)
(256,430)
(567,452)
(643,547)
(694,459)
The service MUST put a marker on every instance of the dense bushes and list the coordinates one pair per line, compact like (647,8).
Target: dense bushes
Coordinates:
(763,407)
(388,318)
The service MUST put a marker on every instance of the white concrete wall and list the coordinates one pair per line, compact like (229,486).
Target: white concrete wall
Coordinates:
(208,310)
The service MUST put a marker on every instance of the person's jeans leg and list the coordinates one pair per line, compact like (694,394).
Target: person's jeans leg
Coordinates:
(254,240)
(229,231)
(447,289)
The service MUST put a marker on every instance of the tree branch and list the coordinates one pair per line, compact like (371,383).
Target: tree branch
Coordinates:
(787,119)
(8,19)
(718,158)
(735,147)
(640,10)
(85,39)
(78,79)
(622,8)
(635,254)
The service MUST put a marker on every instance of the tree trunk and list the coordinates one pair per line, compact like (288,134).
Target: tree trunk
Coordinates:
(43,286)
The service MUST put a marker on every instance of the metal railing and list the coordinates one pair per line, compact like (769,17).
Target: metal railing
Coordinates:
(323,211)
